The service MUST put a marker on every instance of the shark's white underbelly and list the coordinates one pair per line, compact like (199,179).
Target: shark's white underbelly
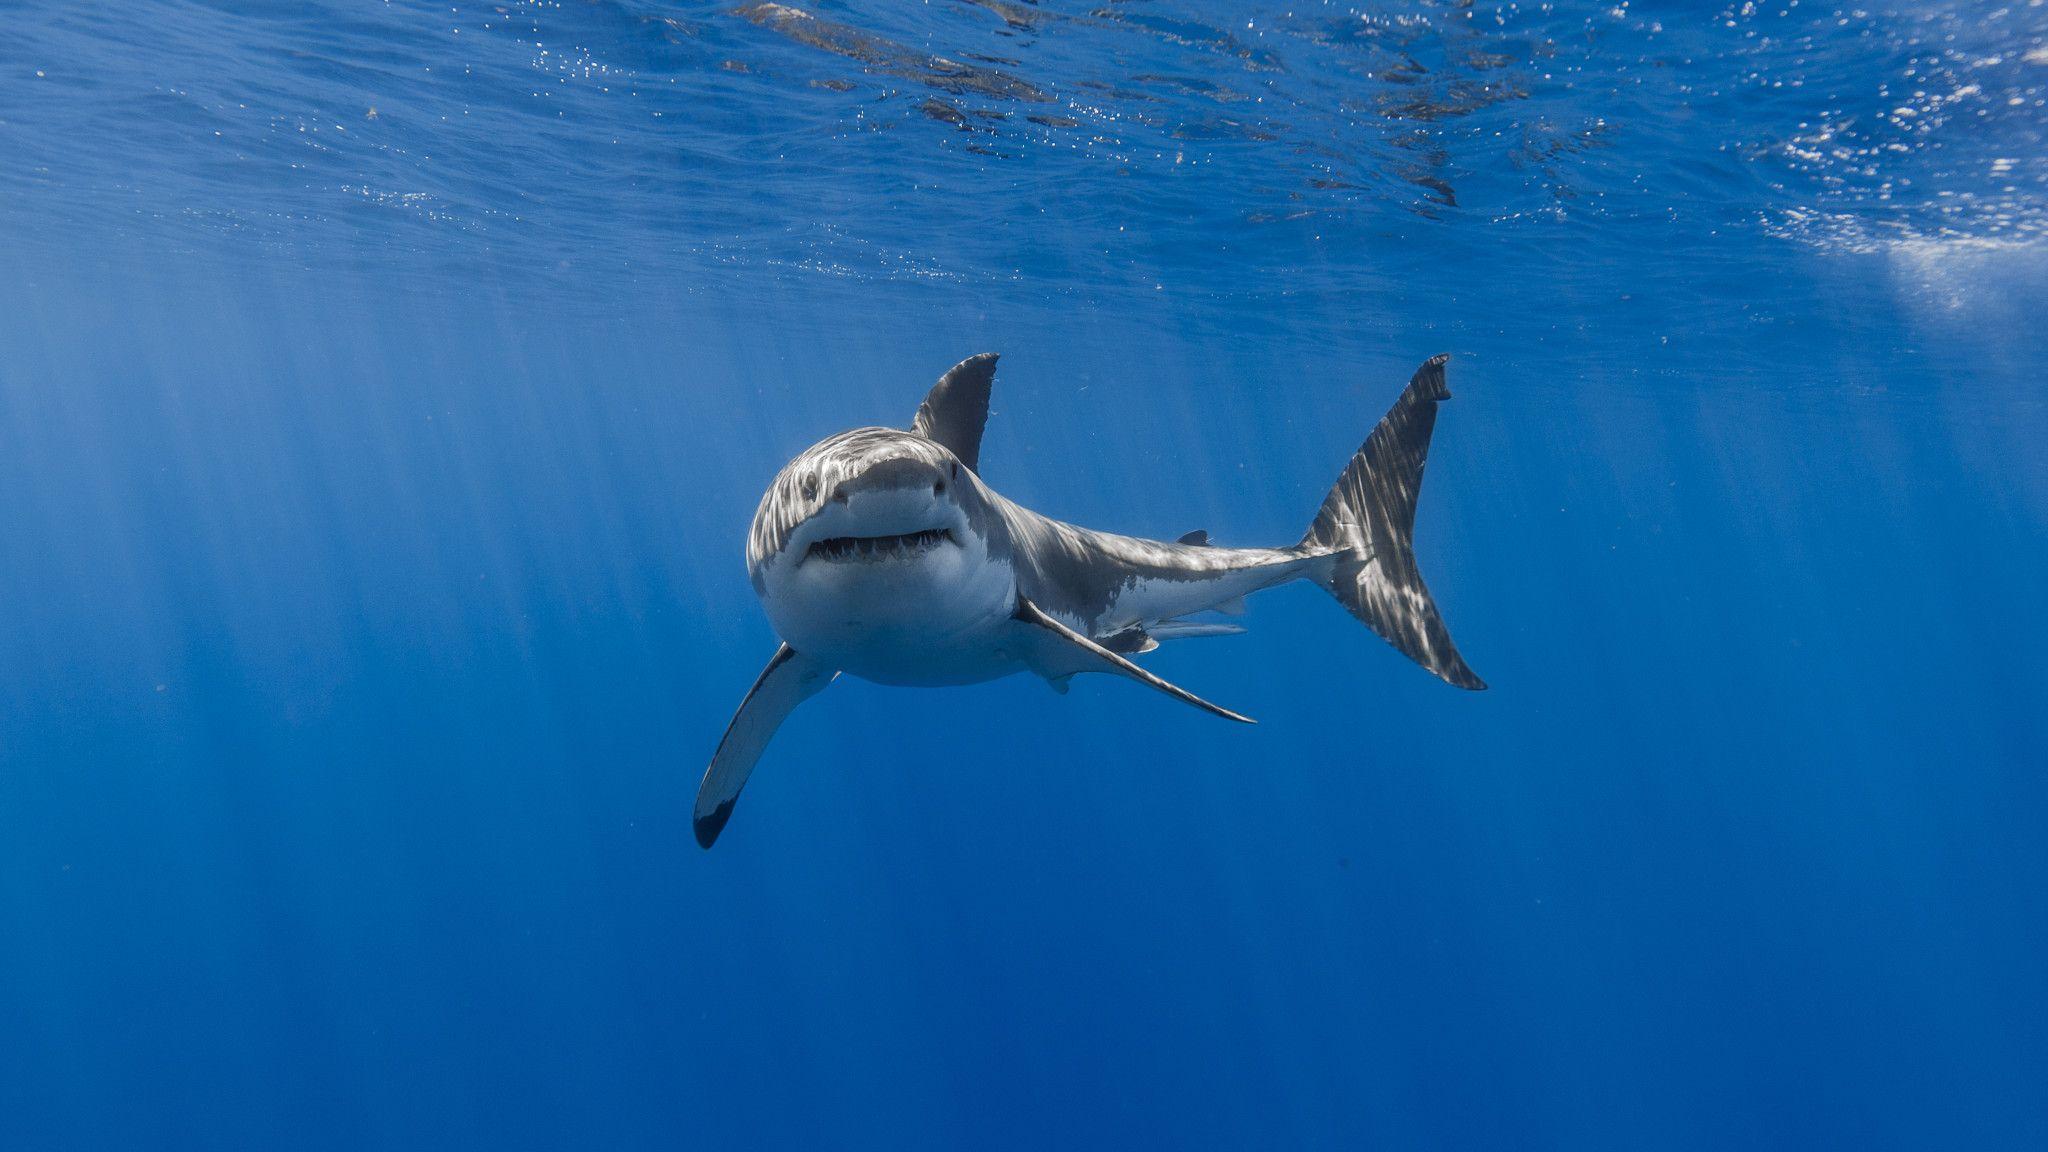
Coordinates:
(940,619)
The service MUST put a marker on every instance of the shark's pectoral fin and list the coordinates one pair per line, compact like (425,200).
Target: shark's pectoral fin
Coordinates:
(789,679)
(1056,652)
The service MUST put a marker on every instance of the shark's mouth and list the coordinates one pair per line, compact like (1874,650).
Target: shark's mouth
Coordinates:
(849,548)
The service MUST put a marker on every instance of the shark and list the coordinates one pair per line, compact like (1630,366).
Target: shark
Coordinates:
(881,553)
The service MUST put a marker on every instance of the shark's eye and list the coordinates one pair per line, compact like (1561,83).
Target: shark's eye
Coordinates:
(810,487)
(954,468)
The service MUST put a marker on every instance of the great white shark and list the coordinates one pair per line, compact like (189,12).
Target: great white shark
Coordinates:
(881,553)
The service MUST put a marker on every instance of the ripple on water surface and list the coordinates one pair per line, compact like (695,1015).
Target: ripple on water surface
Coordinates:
(1112,144)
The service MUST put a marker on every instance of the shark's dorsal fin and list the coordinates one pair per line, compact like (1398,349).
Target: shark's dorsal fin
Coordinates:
(956,409)
(1199,538)
(1059,652)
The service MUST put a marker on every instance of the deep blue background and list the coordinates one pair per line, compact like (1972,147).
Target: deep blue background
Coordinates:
(373,489)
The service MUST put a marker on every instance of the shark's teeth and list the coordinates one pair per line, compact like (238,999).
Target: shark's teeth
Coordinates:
(872,548)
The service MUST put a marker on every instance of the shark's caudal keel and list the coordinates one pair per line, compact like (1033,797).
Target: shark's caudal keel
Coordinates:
(881,554)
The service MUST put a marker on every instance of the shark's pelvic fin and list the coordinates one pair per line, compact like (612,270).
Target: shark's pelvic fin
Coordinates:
(789,679)
(1132,641)
(1138,640)
(1368,523)
(955,411)
(1057,652)
(1188,629)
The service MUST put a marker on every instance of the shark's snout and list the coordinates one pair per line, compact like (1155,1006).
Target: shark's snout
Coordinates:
(894,510)
(899,475)
(870,493)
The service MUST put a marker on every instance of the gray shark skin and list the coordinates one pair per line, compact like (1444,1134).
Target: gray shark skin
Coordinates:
(881,553)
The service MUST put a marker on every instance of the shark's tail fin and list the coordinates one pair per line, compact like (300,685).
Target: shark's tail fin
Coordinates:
(1368,524)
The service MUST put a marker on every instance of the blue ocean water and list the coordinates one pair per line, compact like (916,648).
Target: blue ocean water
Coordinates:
(386,388)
